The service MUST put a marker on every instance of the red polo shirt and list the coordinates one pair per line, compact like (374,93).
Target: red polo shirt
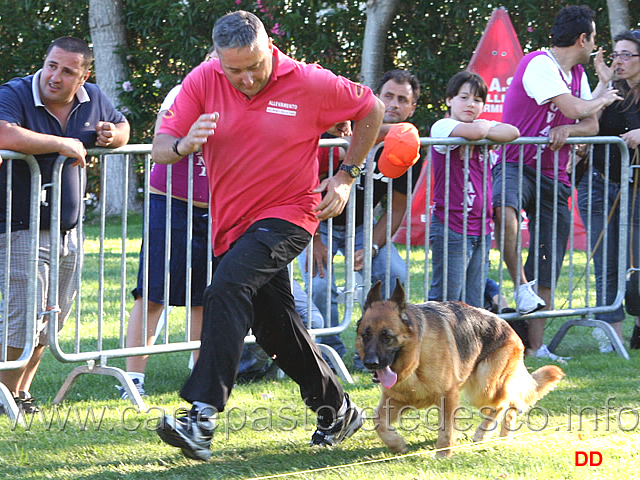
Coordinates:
(261,160)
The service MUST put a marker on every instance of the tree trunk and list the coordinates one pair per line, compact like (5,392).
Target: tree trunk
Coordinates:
(108,36)
(618,16)
(379,16)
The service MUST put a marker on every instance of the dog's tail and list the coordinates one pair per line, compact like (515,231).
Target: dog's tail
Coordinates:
(545,379)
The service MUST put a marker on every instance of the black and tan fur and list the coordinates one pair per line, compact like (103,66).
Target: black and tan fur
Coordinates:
(437,350)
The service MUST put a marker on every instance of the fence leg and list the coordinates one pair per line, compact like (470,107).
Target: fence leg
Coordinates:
(582,322)
(9,404)
(336,362)
(118,373)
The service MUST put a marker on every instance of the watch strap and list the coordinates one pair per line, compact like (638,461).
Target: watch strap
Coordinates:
(175,147)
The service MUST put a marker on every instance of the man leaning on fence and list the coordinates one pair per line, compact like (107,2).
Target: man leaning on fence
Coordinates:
(258,115)
(548,97)
(54,112)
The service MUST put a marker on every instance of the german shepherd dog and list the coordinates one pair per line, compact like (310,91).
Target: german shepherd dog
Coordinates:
(427,354)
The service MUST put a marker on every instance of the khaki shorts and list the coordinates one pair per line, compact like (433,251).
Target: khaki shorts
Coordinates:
(16,298)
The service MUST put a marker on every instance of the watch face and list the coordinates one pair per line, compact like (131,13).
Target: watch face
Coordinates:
(352,170)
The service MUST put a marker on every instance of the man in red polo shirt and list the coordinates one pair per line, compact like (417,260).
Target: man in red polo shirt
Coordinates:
(258,115)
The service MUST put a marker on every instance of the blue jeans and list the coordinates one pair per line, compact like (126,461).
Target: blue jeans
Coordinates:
(458,266)
(378,270)
(607,282)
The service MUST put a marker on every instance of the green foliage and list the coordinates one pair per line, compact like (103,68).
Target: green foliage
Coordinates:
(438,38)
(167,39)
(27,27)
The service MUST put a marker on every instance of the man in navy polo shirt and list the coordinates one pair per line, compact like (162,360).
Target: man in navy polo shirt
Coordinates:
(54,112)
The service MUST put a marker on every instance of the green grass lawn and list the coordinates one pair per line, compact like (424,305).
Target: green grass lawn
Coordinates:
(266,430)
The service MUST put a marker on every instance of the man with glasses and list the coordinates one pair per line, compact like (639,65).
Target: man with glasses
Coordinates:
(599,190)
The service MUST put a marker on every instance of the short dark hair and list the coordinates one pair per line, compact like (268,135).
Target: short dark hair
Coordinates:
(236,30)
(401,76)
(631,35)
(570,23)
(73,45)
(478,86)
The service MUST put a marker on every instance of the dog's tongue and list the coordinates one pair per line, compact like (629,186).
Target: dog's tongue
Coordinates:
(387,377)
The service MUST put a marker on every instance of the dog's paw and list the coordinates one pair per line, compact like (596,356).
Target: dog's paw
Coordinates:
(396,445)
(443,448)
(394,442)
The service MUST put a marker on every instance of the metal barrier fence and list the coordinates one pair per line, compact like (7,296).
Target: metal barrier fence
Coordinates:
(578,277)
(96,330)
(577,269)
(6,363)
(102,308)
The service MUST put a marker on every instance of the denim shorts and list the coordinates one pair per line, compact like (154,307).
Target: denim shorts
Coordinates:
(544,238)
(178,253)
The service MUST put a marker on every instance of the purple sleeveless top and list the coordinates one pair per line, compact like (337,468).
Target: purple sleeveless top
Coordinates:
(535,120)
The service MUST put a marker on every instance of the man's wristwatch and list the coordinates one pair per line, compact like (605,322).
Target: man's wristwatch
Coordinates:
(375,249)
(354,171)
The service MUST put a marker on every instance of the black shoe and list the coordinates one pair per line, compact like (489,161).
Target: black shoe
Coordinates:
(343,427)
(191,433)
(634,343)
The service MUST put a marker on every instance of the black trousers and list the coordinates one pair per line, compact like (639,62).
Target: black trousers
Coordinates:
(251,289)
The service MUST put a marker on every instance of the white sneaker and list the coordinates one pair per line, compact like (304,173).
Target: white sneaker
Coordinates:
(527,301)
(139,386)
(544,352)
(604,344)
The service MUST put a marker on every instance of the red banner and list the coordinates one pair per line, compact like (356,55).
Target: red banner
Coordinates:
(495,60)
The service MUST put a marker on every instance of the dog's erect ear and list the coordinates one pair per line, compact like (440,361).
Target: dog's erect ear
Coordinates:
(398,295)
(374,295)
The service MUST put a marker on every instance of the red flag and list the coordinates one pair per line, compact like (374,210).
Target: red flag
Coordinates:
(495,60)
